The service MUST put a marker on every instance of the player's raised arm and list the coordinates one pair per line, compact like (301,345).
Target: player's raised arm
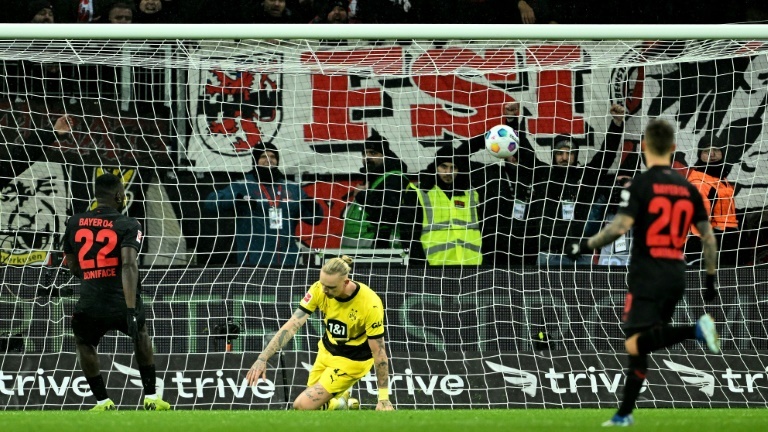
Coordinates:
(619,226)
(381,366)
(287,331)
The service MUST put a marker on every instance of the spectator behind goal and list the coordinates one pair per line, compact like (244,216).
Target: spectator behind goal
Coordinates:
(443,213)
(708,175)
(267,209)
(371,219)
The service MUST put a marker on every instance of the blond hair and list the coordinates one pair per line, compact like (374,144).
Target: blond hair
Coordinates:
(338,266)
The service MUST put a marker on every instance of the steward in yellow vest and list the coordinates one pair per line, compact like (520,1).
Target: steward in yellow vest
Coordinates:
(450,227)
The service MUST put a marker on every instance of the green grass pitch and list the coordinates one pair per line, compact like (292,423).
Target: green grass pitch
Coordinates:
(566,420)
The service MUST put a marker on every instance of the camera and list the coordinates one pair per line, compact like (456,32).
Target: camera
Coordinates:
(224,333)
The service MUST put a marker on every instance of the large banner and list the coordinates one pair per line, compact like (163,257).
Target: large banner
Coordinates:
(33,211)
(725,98)
(55,174)
(420,98)
(415,98)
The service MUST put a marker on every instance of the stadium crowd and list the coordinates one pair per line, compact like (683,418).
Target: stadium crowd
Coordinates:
(385,11)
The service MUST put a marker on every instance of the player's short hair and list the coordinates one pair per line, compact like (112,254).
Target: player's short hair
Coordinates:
(659,137)
(106,185)
(338,266)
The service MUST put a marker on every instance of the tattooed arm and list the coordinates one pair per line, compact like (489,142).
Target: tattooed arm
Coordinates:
(617,228)
(287,331)
(381,366)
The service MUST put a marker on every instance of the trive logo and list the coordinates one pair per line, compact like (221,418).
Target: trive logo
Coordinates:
(206,384)
(222,386)
(706,381)
(526,381)
(159,385)
(42,381)
(451,385)
(560,382)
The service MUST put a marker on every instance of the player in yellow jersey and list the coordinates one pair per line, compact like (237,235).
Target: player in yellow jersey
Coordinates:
(352,343)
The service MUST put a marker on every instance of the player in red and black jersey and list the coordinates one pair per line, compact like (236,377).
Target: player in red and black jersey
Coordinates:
(661,206)
(102,247)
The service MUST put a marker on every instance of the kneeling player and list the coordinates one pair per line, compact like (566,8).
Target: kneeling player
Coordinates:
(102,249)
(352,343)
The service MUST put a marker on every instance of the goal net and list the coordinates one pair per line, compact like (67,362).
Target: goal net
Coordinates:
(228,254)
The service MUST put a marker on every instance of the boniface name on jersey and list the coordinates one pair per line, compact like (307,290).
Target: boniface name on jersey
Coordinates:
(99,273)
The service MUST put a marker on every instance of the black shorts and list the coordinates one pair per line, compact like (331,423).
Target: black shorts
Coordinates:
(642,312)
(90,329)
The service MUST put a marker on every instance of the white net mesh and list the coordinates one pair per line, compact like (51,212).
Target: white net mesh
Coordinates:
(178,120)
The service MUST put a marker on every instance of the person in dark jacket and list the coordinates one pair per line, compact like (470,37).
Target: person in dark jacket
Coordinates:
(555,196)
(332,12)
(371,220)
(270,12)
(38,12)
(268,207)
(154,12)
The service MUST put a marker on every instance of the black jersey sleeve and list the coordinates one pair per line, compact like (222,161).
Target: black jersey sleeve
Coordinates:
(132,234)
(629,203)
(67,246)
(700,213)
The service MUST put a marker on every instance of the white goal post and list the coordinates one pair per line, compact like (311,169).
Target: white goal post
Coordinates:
(176,110)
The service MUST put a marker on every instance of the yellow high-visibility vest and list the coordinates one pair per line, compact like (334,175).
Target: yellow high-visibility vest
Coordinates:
(450,229)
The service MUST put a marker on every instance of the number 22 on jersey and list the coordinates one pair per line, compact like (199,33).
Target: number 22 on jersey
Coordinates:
(105,236)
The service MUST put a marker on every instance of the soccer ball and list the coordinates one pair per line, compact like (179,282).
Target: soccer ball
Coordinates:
(353,404)
(501,141)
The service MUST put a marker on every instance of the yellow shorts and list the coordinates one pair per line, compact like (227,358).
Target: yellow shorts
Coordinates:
(336,374)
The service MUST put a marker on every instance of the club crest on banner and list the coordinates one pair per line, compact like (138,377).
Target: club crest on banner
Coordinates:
(232,111)
(33,213)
